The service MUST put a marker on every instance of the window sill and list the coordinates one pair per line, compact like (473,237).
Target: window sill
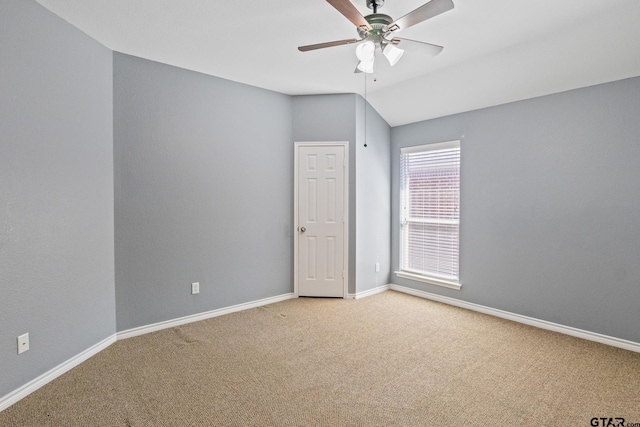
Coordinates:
(430,280)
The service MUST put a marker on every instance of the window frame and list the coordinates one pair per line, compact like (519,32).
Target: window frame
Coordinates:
(417,275)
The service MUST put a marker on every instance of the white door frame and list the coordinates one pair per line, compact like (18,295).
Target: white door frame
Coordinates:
(296,234)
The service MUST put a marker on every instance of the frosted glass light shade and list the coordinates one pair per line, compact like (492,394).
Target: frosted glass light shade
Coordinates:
(392,53)
(365,51)
(365,66)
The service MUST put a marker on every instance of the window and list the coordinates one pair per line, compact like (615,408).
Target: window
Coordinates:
(430,213)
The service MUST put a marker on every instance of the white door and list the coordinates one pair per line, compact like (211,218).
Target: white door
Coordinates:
(321,216)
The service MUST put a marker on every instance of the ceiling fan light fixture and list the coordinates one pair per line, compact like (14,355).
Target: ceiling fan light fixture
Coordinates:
(392,53)
(377,30)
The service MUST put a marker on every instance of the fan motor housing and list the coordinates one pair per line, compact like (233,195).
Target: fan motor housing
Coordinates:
(377,21)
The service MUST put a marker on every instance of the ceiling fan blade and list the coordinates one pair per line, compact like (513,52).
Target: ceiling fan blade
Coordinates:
(327,44)
(424,12)
(350,12)
(428,48)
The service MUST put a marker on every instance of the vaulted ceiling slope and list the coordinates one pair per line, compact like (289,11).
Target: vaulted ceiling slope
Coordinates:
(496,51)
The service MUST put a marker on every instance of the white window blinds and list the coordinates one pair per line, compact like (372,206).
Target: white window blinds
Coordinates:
(430,210)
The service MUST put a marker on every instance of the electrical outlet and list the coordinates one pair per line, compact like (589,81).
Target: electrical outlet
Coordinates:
(195,288)
(23,343)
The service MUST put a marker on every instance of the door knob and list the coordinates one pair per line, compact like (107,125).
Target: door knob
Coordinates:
(302,229)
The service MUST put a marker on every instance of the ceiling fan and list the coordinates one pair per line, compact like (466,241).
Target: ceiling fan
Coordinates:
(378,30)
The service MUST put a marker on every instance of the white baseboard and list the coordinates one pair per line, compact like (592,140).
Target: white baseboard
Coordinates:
(531,321)
(54,373)
(368,292)
(141,330)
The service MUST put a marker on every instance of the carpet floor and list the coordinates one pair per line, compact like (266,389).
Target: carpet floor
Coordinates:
(390,359)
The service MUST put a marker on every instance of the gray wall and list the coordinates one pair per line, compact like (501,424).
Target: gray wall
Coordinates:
(56,196)
(549,206)
(203,192)
(373,195)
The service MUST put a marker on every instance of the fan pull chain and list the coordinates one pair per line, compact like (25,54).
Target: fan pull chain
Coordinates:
(375,79)
(365,109)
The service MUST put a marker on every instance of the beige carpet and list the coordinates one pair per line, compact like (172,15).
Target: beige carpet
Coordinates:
(387,360)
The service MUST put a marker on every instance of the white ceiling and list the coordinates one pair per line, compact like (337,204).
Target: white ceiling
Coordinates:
(496,51)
